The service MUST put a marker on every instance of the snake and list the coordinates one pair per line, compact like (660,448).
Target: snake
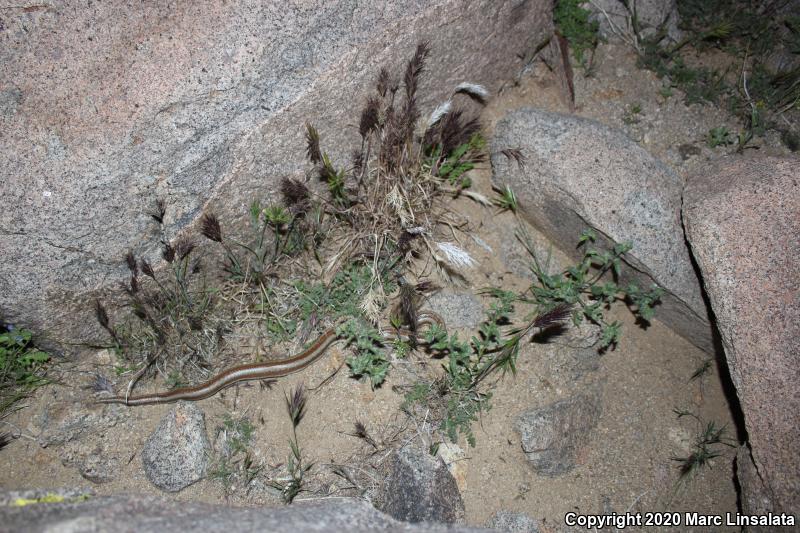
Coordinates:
(264,370)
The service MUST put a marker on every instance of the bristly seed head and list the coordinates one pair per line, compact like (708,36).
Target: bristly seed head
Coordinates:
(184,247)
(294,192)
(312,144)
(479,93)
(161,210)
(361,429)
(296,405)
(383,82)
(515,154)
(147,268)
(555,316)
(414,69)
(210,227)
(370,117)
(101,384)
(408,306)
(101,314)
(130,259)
(168,253)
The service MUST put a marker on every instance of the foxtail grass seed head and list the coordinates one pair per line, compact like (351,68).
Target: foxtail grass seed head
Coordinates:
(168,253)
(161,210)
(383,83)
(101,384)
(130,259)
(184,248)
(516,155)
(556,315)
(479,93)
(296,404)
(294,192)
(211,228)
(101,314)
(313,151)
(147,268)
(370,116)
(440,111)
(455,255)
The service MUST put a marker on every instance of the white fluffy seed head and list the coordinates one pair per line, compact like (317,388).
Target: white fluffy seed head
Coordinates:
(440,111)
(473,90)
(455,255)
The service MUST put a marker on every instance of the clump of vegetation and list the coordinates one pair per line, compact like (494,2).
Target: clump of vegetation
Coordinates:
(586,287)
(572,21)
(22,366)
(344,247)
(296,467)
(719,136)
(632,114)
(459,397)
(234,463)
(708,445)
(748,34)
(172,327)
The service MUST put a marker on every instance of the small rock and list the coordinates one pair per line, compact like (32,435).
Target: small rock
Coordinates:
(176,454)
(552,435)
(148,514)
(99,468)
(688,150)
(585,335)
(453,456)
(458,309)
(512,522)
(419,488)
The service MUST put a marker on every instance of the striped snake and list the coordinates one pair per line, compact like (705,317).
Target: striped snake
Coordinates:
(266,370)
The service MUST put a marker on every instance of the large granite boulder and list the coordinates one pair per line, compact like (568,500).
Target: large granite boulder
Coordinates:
(580,174)
(144,514)
(106,108)
(743,224)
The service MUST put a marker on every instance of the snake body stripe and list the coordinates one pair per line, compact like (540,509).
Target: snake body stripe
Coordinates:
(257,371)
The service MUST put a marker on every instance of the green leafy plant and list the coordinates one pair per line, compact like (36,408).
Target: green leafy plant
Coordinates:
(507,200)
(586,287)
(22,366)
(747,33)
(719,136)
(573,23)
(234,462)
(460,396)
(632,113)
(369,359)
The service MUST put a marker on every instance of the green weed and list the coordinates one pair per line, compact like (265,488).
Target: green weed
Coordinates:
(296,466)
(22,366)
(719,136)
(460,396)
(586,287)
(573,23)
(707,446)
(234,462)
